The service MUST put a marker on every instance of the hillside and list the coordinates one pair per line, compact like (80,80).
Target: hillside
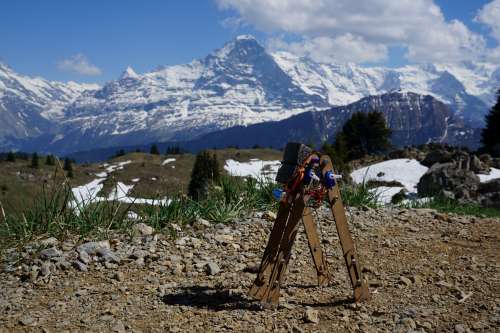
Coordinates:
(152,176)
(414,119)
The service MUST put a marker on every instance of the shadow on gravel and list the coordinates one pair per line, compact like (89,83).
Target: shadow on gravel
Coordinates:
(210,298)
(333,303)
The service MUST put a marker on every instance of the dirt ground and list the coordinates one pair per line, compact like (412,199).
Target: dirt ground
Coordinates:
(428,272)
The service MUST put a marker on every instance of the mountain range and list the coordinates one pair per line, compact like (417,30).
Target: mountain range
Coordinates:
(243,88)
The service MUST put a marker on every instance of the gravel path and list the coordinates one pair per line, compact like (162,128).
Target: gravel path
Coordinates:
(428,272)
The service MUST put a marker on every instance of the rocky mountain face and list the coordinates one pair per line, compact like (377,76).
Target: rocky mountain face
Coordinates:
(28,106)
(414,119)
(240,84)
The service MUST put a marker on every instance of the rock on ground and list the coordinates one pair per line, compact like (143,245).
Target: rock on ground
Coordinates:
(427,272)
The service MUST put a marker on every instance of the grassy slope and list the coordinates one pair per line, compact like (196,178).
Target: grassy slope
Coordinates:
(20,184)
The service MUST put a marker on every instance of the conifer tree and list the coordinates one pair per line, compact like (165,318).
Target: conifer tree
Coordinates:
(205,171)
(50,160)
(35,161)
(365,133)
(11,157)
(154,150)
(68,166)
(120,152)
(490,136)
(339,154)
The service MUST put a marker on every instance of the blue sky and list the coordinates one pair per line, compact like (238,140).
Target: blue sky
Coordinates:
(46,38)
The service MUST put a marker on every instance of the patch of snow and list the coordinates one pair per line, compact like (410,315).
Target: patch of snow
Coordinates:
(132,215)
(385,193)
(255,168)
(124,163)
(416,201)
(87,194)
(101,174)
(168,160)
(113,167)
(406,171)
(120,192)
(135,180)
(494,174)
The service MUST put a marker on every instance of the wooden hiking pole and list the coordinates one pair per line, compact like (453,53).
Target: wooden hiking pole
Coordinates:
(293,208)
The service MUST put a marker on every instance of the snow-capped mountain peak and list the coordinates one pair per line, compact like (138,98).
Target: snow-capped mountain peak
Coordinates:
(239,84)
(129,73)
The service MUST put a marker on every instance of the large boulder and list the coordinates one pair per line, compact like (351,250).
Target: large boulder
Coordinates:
(437,156)
(478,166)
(489,193)
(495,163)
(448,178)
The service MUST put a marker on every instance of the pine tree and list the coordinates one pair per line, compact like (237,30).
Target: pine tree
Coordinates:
(68,166)
(50,160)
(154,150)
(205,171)
(120,152)
(35,161)
(490,136)
(339,154)
(176,150)
(11,157)
(214,168)
(366,133)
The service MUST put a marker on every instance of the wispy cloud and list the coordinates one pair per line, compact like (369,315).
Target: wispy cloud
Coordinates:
(79,64)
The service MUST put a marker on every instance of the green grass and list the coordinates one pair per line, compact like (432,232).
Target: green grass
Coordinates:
(53,215)
(20,184)
(359,196)
(445,205)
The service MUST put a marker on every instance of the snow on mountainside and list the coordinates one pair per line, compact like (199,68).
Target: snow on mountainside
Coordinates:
(50,96)
(239,84)
(342,84)
(414,119)
(29,105)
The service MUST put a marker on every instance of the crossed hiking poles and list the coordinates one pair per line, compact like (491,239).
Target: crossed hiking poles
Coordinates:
(293,208)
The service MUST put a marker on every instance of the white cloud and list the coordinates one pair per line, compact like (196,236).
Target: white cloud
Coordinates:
(489,15)
(79,64)
(344,48)
(363,30)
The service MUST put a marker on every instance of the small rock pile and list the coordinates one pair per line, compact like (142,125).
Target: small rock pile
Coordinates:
(453,174)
